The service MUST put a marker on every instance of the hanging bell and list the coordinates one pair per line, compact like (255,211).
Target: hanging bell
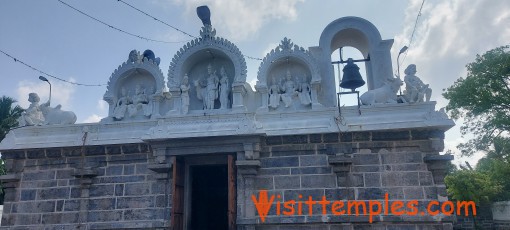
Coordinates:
(351,78)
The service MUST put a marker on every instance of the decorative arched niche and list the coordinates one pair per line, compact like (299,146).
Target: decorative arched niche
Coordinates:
(362,35)
(135,88)
(193,60)
(288,79)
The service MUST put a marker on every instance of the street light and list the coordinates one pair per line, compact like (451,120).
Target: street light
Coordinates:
(46,80)
(404,49)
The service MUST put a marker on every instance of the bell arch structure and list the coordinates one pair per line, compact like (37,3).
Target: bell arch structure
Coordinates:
(362,35)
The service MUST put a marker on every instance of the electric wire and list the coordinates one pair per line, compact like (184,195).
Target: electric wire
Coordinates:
(173,27)
(47,74)
(120,30)
(148,15)
(414,30)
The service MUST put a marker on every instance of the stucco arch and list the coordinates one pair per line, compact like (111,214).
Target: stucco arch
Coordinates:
(362,35)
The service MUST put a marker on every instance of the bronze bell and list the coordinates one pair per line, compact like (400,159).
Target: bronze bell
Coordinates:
(351,78)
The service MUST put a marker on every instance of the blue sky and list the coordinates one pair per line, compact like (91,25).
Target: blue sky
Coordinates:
(54,38)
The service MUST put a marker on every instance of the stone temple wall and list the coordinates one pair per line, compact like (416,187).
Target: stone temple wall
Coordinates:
(47,189)
(382,162)
(118,192)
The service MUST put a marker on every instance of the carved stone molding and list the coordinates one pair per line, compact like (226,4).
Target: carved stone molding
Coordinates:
(438,165)
(341,164)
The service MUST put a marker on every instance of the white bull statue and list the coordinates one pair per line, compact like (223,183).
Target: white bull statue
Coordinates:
(44,114)
(56,116)
(384,94)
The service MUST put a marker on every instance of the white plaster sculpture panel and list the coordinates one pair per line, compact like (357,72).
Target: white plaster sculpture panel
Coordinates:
(135,89)
(416,90)
(286,79)
(43,114)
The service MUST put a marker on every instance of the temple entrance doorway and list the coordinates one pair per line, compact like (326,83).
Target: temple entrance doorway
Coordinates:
(204,193)
(209,197)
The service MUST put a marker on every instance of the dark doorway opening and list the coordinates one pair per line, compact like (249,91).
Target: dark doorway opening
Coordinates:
(209,197)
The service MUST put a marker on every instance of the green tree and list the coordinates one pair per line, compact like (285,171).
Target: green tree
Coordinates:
(472,185)
(482,99)
(9,115)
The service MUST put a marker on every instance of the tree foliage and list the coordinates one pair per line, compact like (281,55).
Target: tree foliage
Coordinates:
(8,119)
(8,115)
(482,99)
(472,185)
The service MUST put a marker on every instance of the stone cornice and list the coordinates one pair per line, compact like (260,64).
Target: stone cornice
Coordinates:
(325,120)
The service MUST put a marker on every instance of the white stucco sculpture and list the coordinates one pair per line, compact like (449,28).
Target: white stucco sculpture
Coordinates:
(43,114)
(224,89)
(185,94)
(384,94)
(121,106)
(289,89)
(140,102)
(274,94)
(208,92)
(304,92)
(416,90)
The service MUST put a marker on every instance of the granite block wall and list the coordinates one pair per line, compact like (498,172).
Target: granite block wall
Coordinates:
(375,163)
(95,187)
(112,187)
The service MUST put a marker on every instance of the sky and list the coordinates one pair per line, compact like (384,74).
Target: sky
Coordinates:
(58,40)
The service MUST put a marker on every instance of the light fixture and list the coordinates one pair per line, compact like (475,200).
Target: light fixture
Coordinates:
(46,80)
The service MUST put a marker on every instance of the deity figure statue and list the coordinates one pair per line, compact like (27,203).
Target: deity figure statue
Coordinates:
(121,106)
(274,94)
(185,94)
(415,88)
(224,89)
(289,90)
(140,102)
(304,92)
(208,93)
(34,114)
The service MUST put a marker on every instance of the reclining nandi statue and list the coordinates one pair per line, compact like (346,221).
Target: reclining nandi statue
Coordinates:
(384,94)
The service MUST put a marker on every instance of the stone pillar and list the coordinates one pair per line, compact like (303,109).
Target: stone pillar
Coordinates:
(341,167)
(238,92)
(316,87)
(438,165)
(84,175)
(156,100)
(175,107)
(248,163)
(265,97)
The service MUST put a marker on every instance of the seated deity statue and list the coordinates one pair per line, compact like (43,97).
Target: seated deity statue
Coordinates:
(33,115)
(224,89)
(140,102)
(289,90)
(274,95)
(121,106)
(416,90)
(304,92)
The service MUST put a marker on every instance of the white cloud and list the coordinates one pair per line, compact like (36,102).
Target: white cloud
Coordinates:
(92,119)
(449,34)
(61,93)
(102,105)
(241,18)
